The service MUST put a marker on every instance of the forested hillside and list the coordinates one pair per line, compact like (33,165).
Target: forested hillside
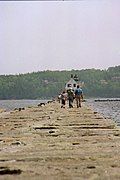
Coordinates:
(47,84)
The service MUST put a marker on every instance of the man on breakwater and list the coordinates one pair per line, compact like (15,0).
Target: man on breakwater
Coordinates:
(71,96)
(78,96)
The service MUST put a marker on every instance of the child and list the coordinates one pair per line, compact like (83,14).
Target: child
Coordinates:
(63,99)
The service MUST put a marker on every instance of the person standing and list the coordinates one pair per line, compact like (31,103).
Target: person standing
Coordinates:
(78,96)
(63,99)
(70,93)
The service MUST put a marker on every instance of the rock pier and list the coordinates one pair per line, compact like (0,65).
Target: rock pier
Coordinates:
(53,143)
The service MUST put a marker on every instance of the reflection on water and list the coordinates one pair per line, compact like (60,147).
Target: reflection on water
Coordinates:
(109,109)
(12,104)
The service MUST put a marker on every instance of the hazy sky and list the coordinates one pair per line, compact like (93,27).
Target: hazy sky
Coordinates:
(59,35)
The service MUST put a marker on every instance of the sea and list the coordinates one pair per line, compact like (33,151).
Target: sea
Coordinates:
(9,105)
(109,108)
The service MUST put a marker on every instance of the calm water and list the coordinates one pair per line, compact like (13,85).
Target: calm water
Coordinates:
(12,104)
(109,109)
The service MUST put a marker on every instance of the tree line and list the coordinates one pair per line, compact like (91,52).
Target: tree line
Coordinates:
(48,84)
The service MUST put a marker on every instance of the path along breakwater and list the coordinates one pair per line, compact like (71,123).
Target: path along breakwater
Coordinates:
(49,142)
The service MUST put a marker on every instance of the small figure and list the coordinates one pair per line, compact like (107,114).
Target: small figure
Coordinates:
(63,99)
(59,98)
(78,96)
(71,96)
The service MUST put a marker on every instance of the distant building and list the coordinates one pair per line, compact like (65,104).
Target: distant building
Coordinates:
(116,78)
(103,81)
(72,83)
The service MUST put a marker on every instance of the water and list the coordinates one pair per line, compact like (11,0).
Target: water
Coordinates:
(12,104)
(109,109)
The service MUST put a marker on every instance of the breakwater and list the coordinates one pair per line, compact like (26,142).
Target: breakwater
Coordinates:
(106,100)
(48,142)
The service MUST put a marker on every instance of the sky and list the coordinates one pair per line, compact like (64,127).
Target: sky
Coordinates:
(59,35)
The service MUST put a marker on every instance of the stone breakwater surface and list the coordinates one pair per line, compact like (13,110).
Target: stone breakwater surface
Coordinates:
(48,142)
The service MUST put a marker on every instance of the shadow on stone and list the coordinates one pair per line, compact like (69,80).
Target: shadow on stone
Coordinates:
(91,167)
(5,170)
(46,127)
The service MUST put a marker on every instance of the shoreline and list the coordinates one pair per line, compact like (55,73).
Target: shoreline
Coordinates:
(49,142)
(109,109)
